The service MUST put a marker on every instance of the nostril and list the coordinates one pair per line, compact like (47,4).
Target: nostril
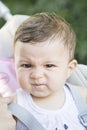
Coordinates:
(35,76)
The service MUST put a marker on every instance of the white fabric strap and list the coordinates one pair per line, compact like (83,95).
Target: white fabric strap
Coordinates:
(80,104)
(79,76)
(25,117)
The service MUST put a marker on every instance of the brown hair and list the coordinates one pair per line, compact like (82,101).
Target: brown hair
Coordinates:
(42,26)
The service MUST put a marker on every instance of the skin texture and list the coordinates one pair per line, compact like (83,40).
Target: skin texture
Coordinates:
(42,70)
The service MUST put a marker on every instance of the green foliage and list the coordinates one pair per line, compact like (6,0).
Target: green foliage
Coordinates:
(75,12)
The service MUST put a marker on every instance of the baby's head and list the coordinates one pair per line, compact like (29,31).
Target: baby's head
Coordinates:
(44,54)
(41,27)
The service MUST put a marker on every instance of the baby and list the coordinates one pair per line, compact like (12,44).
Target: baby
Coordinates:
(44,47)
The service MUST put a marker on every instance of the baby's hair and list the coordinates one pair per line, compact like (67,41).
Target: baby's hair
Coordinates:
(43,26)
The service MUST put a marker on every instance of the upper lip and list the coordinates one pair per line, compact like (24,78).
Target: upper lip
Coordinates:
(38,84)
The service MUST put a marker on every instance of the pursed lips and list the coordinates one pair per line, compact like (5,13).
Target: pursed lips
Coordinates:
(38,86)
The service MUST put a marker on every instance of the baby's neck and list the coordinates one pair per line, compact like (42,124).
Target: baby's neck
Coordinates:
(52,102)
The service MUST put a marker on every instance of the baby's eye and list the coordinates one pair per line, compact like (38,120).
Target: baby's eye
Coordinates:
(50,65)
(26,65)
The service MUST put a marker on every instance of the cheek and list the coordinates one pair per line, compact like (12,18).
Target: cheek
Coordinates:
(65,74)
(60,76)
(21,79)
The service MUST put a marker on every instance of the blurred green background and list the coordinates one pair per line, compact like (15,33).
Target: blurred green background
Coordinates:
(74,11)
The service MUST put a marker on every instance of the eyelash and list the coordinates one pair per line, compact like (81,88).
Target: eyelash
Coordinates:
(26,65)
(50,65)
(29,65)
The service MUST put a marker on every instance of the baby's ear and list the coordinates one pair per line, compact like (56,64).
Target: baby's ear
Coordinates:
(71,67)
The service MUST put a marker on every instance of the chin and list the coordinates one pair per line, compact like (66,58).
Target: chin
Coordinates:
(39,95)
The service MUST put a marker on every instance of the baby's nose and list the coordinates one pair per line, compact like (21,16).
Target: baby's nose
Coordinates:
(36,73)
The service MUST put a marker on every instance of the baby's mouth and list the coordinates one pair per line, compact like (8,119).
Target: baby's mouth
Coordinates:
(38,84)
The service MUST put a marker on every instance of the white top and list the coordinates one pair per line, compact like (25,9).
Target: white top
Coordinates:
(65,118)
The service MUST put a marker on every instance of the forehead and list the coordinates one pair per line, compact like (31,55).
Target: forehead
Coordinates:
(48,49)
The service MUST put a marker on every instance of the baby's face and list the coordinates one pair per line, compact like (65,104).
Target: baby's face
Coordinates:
(42,68)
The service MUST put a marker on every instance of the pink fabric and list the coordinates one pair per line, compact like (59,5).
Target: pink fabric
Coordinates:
(8,81)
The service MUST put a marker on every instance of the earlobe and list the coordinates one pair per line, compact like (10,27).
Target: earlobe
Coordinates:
(71,67)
